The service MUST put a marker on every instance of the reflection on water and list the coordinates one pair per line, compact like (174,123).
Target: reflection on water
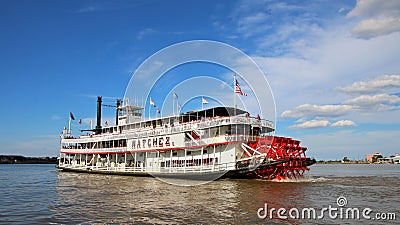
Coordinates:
(119,199)
(38,194)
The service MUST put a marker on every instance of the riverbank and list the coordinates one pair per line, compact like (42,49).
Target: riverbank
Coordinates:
(18,159)
(341,162)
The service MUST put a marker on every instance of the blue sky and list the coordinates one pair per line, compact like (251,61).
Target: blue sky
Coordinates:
(332,65)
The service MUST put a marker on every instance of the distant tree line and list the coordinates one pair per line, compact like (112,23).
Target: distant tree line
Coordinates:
(18,159)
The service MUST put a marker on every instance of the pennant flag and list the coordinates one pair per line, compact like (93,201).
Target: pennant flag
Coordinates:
(106,123)
(152,102)
(204,101)
(175,96)
(158,111)
(80,121)
(179,107)
(238,90)
(71,116)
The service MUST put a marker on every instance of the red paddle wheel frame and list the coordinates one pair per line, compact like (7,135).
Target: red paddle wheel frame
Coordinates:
(289,155)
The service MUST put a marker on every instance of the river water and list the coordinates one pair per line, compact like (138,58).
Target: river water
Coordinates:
(39,194)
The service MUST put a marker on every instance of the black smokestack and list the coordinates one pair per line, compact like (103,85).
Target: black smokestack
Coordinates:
(119,101)
(98,124)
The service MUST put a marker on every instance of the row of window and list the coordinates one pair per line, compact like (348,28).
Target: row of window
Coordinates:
(94,145)
(189,162)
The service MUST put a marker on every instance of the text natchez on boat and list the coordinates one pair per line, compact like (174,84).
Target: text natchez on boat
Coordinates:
(219,142)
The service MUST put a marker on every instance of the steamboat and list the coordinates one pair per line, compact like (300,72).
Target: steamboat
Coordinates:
(210,143)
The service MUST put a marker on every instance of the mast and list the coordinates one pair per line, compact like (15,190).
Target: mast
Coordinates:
(234,94)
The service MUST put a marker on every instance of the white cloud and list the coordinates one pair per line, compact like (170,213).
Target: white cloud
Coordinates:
(145,32)
(86,9)
(376,8)
(343,123)
(372,100)
(303,124)
(311,124)
(308,110)
(55,117)
(45,145)
(374,85)
(248,23)
(98,6)
(376,27)
(352,143)
(380,17)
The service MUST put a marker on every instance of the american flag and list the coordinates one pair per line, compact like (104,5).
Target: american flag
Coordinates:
(238,90)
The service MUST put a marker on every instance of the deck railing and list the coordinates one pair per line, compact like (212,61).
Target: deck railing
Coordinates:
(220,139)
(175,128)
(128,169)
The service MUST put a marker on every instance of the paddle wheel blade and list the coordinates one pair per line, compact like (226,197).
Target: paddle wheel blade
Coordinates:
(290,160)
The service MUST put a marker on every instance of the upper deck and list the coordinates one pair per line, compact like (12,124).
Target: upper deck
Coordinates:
(145,129)
(190,121)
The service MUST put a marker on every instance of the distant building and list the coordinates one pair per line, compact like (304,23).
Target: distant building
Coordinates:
(371,158)
(394,159)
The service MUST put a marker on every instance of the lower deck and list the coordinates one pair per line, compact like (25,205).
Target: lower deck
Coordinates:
(199,160)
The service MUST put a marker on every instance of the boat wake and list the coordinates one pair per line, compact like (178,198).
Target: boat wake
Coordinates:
(302,180)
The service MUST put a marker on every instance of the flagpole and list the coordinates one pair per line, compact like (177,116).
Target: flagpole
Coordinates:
(177,108)
(234,93)
(69,124)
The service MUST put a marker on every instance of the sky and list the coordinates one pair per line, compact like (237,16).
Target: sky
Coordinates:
(332,66)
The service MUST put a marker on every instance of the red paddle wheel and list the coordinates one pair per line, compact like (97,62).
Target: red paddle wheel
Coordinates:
(290,158)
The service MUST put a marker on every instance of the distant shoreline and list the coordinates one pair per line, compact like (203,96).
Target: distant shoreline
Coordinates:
(18,159)
(340,162)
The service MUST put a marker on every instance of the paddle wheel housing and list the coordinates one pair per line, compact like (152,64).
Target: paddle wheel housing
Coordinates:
(291,158)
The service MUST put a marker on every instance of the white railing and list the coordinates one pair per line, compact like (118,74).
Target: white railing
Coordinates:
(93,150)
(220,139)
(176,128)
(128,169)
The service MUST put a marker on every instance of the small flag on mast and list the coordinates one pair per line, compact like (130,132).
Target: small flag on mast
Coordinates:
(238,90)
(152,102)
(204,101)
(175,96)
(71,116)
(158,111)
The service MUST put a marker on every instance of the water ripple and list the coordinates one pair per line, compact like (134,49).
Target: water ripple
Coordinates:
(37,194)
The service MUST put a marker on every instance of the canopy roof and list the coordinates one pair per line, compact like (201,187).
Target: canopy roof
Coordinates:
(212,112)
